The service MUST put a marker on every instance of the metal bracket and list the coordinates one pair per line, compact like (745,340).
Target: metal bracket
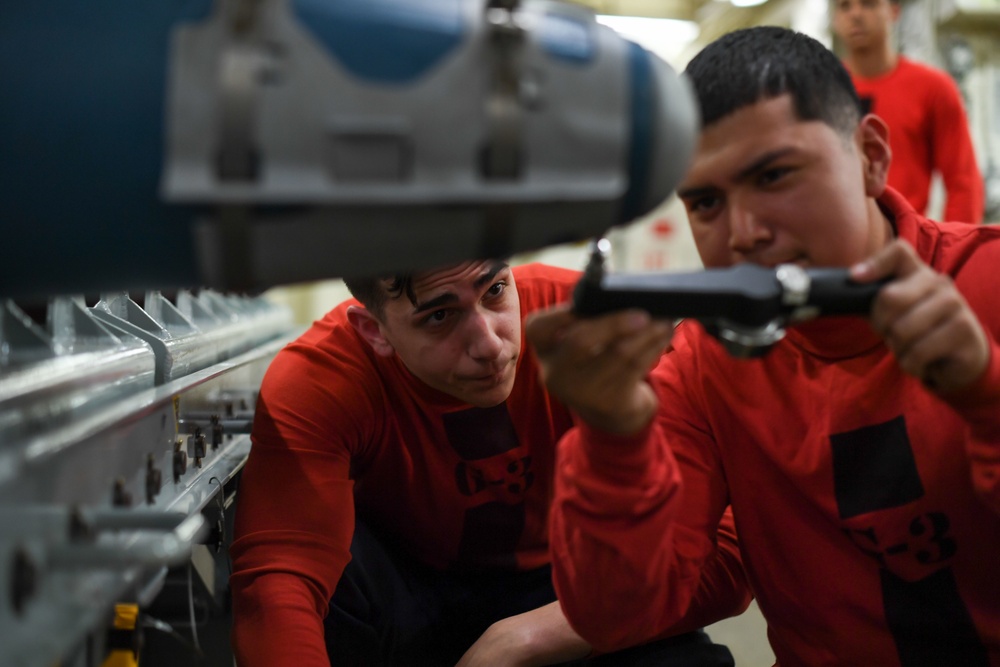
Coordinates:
(503,155)
(240,68)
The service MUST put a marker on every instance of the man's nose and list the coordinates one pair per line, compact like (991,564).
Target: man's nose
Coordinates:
(746,229)
(485,342)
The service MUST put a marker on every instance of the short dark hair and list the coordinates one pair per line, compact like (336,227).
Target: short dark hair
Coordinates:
(374,291)
(747,66)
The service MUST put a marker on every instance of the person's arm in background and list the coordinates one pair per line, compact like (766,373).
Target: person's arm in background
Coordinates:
(294,525)
(955,156)
(629,545)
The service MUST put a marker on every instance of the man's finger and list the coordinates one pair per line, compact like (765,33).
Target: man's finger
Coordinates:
(896,259)
(592,336)
(544,329)
(898,300)
(647,345)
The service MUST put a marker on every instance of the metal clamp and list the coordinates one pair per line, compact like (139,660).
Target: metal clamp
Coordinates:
(748,342)
(795,283)
(503,154)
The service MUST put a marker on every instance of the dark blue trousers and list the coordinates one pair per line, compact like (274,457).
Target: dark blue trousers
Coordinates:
(388,611)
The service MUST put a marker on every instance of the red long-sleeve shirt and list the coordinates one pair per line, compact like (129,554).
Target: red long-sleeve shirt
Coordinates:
(928,132)
(340,429)
(868,508)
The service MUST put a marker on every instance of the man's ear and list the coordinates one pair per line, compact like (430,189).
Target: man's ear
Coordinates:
(370,328)
(873,137)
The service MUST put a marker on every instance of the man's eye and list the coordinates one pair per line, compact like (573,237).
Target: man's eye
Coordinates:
(771,175)
(436,317)
(497,288)
(702,204)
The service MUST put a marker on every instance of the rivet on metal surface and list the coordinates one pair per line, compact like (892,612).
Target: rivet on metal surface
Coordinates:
(199,447)
(216,432)
(23,580)
(80,530)
(180,460)
(120,496)
(154,479)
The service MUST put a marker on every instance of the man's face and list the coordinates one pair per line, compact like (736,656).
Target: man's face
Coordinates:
(463,336)
(767,188)
(863,24)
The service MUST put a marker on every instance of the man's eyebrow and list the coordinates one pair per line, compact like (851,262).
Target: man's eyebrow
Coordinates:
(436,302)
(754,167)
(451,297)
(694,193)
(762,162)
(488,277)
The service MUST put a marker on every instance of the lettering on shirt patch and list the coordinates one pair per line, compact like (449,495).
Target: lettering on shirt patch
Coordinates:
(874,470)
(486,442)
(927,542)
(492,464)
(514,478)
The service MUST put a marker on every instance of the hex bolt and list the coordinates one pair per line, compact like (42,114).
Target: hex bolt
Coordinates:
(23,580)
(180,460)
(154,479)
(216,432)
(199,447)
(120,496)
(80,530)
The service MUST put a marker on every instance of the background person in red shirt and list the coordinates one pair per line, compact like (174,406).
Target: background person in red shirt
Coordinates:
(928,125)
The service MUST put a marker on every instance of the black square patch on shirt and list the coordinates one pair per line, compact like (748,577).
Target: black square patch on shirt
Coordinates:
(479,433)
(874,468)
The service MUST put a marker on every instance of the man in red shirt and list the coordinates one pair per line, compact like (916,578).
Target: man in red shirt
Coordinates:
(394,506)
(861,458)
(928,127)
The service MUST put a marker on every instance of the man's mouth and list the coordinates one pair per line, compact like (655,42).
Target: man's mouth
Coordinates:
(771,263)
(496,376)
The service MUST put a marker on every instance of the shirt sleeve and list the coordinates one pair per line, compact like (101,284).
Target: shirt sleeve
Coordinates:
(979,405)
(294,522)
(636,530)
(723,590)
(955,157)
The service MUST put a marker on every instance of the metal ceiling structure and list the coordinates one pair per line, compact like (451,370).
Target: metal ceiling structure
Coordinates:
(714,17)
